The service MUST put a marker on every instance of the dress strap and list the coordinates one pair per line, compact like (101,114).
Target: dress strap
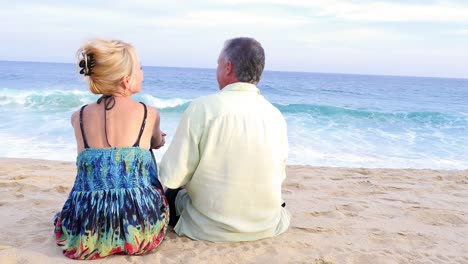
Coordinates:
(137,143)
(109,103)
(81,127)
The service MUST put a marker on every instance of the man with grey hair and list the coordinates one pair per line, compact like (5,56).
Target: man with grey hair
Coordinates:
(230,152)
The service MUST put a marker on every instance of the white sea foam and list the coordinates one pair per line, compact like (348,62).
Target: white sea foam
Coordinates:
(163,103)
(47,99)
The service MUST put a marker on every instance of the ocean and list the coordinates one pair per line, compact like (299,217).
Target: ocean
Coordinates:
(337,120)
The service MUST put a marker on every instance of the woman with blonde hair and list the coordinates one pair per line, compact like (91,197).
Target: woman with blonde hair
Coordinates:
(117,205)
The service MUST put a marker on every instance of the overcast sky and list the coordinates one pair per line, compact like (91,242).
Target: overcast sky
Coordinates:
(416,38)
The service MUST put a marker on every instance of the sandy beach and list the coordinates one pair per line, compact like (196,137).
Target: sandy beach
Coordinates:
(339,215)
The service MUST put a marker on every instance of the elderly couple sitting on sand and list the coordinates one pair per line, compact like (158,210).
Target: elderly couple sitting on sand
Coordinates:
(222,172)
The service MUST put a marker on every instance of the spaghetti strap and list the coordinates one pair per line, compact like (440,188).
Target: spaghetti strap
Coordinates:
(81,127)
(137,143)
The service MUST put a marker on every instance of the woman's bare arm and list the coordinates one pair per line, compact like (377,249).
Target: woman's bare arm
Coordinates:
(158,137)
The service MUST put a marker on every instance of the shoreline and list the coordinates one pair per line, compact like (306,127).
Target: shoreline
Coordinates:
(20,160)
(339,215)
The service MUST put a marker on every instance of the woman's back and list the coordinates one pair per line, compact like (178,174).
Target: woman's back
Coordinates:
(118,127)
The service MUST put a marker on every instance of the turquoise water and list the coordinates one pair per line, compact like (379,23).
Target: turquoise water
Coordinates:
(333,119)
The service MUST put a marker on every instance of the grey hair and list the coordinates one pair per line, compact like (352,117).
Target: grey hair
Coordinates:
(247,57)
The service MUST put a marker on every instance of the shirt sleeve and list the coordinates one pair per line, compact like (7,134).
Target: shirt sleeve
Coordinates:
(182,157)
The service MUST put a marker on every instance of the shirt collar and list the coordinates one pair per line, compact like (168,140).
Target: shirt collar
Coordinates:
(241,87)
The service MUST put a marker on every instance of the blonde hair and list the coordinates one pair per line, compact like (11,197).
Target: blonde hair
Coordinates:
(114,60)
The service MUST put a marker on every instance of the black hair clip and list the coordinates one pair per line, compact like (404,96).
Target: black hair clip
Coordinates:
(87,64)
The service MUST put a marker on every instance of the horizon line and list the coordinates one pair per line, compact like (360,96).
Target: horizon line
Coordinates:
(287,71)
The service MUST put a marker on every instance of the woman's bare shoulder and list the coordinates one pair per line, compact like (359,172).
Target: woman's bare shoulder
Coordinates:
(152,112)
(75,117)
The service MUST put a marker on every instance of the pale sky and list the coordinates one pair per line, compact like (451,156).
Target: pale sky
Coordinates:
(414,38)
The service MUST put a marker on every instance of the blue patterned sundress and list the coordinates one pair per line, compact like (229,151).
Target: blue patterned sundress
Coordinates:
(116,205)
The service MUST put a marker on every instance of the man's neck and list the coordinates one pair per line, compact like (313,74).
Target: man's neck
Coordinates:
(229,80)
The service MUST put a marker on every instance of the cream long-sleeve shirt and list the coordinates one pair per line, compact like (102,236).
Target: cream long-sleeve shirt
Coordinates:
(230,151)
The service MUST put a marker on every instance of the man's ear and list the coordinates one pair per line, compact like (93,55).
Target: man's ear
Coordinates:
(229,68)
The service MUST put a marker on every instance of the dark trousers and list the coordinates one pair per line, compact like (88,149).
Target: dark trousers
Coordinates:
(171,195)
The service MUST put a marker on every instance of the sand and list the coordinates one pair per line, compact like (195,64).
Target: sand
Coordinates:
(339,215)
